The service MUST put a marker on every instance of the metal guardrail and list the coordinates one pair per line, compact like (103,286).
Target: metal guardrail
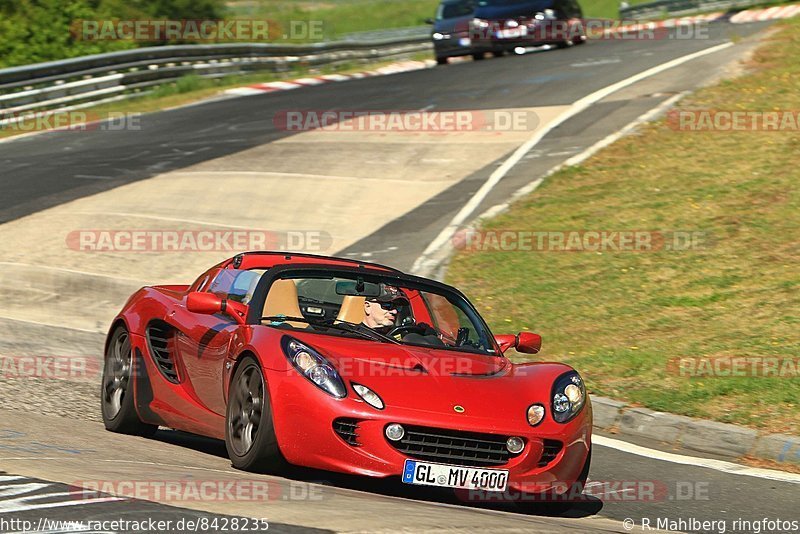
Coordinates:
(684,7)
(98,78)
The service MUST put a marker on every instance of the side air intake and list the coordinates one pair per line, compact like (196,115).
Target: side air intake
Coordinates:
(161,342)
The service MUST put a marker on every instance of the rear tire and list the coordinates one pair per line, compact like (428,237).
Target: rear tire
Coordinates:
(116,392)
(249,430)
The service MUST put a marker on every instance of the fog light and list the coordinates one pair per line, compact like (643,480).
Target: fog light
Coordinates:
(395,432)
(515,445)
(535,414)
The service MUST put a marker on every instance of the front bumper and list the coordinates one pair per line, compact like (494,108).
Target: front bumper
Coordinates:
(304,417)
(453,45)
(500,38)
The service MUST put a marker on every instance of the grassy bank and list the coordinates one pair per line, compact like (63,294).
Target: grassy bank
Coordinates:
(621,317)
(341,17)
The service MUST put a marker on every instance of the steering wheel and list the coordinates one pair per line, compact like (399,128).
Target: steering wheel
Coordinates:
(405,329)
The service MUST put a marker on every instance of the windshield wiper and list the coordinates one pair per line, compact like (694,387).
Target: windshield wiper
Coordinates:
(353,327)
(344,326)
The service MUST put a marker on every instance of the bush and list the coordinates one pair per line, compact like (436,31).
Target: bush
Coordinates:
(32,31)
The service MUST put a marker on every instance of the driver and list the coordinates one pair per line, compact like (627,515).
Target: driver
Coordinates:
(380,313)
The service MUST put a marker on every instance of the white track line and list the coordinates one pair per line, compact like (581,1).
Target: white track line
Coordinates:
(421,264)
(717,465)
(592,150)
(582,156)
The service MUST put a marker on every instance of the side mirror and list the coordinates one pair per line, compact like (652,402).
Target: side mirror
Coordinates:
(526,342)
(205,303)
(506,341)
(529,343)
(430,21)
(210,304)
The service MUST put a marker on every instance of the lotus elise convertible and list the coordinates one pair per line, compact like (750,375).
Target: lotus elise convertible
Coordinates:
(346,366)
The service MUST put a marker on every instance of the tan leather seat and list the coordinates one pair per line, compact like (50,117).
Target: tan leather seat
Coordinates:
(282,300)
(352,310)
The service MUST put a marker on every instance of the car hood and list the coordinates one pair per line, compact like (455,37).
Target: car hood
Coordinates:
(354,357)
(430,380)
(454,25)
(520,9)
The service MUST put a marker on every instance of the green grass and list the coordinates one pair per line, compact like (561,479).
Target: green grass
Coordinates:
(604,9)
(619,317)
(339,17)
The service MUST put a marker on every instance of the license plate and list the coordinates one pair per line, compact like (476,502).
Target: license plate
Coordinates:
(453,476)
(512,32)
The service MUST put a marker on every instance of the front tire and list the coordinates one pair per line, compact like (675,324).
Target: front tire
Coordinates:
(478,56)
(249,430)
(116,393)
(441,60)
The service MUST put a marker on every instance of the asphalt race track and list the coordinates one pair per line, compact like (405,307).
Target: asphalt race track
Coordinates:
(51,169)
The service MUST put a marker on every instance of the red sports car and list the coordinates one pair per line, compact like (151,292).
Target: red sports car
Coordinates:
(347,366)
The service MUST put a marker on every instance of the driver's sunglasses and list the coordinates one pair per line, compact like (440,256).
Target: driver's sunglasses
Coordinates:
(385,305)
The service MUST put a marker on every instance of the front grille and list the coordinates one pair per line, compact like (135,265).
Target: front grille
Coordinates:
(549,452)
(347,429)
(453,447)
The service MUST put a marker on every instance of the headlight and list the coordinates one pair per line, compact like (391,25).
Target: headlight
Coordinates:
(569,396)
(438,36)
(546,14)
(314,367)
(480,23)
(369,396)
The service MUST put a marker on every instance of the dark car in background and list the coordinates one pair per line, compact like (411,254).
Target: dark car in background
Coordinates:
(451,29)
(477,27)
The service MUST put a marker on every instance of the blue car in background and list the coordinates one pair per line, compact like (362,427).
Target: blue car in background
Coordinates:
(478,27)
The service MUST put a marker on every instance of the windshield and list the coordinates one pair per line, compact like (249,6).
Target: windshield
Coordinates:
(383,310)
(453,10)
(501,3)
